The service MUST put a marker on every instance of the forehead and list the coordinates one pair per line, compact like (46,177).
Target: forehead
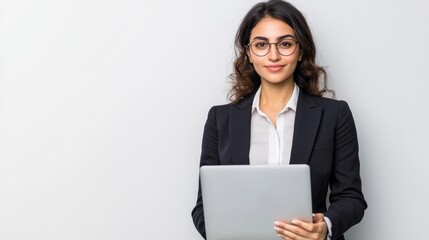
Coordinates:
(271,28)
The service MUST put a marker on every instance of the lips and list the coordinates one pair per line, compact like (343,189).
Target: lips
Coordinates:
(274,67)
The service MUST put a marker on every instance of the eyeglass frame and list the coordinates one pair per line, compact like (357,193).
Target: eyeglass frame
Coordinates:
(249,45)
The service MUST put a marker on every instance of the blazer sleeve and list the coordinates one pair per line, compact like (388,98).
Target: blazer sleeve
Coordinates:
(347,203)
(209,156)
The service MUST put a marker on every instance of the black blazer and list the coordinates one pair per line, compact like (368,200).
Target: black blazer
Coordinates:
(324,138)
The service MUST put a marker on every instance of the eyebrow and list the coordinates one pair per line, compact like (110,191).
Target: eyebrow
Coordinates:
(281,37)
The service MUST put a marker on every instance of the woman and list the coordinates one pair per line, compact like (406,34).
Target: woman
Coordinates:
(278,116)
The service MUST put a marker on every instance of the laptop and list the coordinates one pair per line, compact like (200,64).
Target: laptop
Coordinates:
(243,201)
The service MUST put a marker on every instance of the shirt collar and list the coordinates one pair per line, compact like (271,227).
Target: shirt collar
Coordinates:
(292,103)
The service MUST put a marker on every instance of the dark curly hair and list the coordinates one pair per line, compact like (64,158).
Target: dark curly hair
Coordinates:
(310,77)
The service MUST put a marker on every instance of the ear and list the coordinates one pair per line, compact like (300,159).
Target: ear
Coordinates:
(248,55)
(301,53)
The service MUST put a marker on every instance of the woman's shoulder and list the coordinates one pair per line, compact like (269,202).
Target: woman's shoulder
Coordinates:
(241,104)
(327,101)
(221,113)
(220,108)
(217,111)
(330,106)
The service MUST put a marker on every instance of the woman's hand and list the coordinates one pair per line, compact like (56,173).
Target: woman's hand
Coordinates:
(303,230)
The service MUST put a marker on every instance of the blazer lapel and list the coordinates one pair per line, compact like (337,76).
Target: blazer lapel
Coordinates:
(239,131)
(307,120)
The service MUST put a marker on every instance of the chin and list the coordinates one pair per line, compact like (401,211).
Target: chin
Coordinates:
(277,81)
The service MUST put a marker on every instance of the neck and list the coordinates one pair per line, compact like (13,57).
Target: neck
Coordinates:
(276,95)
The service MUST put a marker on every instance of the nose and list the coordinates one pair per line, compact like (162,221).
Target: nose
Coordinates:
(273,54)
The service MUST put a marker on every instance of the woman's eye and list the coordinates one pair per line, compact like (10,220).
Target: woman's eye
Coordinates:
(285,44)
(261,44)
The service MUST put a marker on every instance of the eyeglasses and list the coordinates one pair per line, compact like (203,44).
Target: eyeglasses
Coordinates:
(285,47)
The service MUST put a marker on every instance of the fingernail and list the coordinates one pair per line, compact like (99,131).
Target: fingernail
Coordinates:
(276,223)
(294,221)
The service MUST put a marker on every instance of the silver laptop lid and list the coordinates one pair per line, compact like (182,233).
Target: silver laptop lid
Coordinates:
(243,201)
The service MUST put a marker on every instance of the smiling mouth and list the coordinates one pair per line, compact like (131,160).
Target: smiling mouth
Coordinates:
(274,68)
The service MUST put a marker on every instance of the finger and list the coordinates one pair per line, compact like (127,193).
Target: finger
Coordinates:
(318,217)
(286,234)
(290,231)
(305,225)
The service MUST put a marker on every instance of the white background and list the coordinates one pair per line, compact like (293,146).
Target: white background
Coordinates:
(104,102)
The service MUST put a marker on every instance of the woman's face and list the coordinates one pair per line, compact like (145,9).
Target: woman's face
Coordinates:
(273,68)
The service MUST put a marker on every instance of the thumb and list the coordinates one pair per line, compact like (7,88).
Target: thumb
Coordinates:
(318,217)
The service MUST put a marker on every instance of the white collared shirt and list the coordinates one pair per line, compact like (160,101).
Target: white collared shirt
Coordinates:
(271,145)
(268,144)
